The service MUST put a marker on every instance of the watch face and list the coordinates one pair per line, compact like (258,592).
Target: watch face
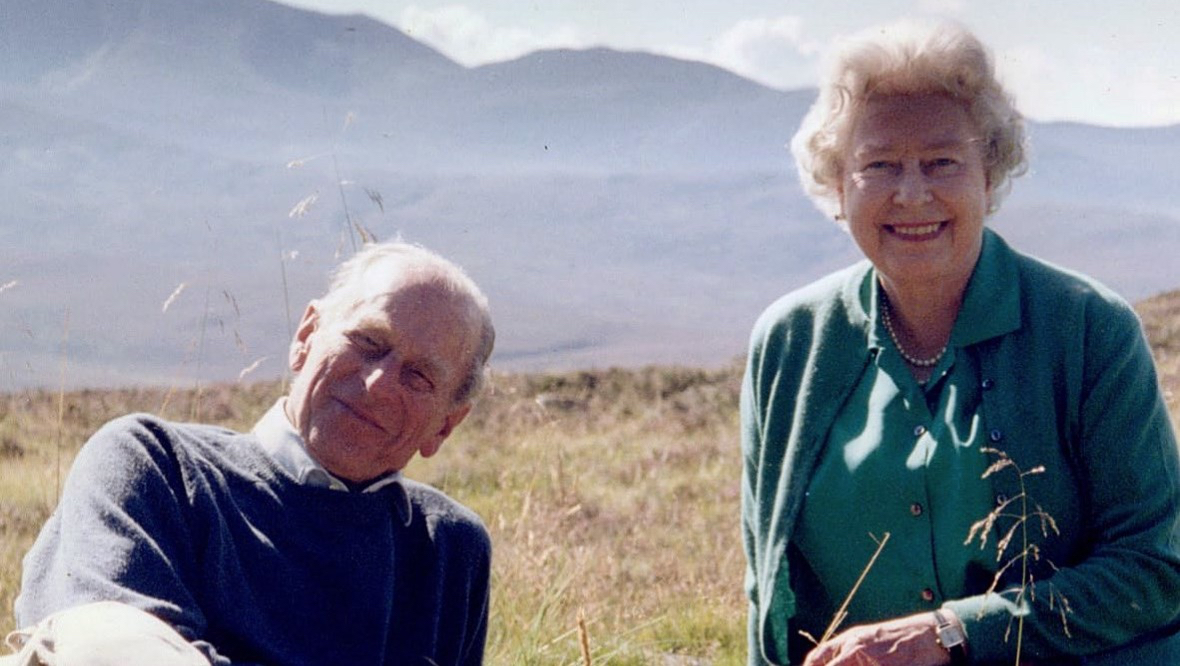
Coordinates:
(950,636)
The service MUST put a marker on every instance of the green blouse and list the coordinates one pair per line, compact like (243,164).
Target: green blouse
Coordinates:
(904,460)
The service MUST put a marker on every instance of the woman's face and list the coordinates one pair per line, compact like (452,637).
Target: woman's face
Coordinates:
(914,190)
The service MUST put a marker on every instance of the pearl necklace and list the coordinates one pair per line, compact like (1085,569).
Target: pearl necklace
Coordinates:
(887,318)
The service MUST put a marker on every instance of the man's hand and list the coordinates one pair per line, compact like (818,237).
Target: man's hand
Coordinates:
(907,641)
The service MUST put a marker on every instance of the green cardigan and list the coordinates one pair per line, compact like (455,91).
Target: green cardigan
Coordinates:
(1068,384)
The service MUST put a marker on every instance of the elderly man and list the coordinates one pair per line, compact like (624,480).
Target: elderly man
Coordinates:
(299,543)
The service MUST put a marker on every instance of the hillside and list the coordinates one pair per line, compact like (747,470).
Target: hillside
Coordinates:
(614,493)
(1161,321)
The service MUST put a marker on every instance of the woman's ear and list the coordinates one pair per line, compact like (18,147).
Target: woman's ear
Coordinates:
(839,189)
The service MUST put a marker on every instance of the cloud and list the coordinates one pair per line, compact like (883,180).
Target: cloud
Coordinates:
(945,7)
(1091,85)
(776,51)
(1153,95)
(1027,74)
(469,38)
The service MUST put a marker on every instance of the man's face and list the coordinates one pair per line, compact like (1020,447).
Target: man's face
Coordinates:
(377,379)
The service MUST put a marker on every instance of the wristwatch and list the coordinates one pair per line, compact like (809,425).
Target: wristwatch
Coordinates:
(952,639)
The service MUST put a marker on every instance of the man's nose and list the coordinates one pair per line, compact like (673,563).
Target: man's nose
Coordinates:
(381,376)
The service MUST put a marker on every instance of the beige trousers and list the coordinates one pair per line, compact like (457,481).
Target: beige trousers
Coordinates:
(105,633)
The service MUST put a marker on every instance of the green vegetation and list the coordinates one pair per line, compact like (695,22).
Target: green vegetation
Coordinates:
(611,493)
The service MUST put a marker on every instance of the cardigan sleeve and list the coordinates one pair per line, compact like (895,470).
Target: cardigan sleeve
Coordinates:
(1123,585)
(119,533)
(751,440)
(787,403)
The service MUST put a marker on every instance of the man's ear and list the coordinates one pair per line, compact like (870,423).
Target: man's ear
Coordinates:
(453,419)
(297,354)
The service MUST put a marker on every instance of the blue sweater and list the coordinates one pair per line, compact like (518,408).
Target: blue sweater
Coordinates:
(196,525)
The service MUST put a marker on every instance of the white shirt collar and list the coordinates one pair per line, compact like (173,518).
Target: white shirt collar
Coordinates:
(279,440)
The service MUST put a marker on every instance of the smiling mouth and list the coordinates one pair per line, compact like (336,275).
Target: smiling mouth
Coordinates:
(916,231)
(361,416)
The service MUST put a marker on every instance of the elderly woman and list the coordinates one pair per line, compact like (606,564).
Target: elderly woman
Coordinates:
(947,381)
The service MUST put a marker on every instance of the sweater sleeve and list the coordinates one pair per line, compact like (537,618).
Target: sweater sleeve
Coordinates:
(120,533)
(463,553)
(444,574)
(478,592)
(1125,586)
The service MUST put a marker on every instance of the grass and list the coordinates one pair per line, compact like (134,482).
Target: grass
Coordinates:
(613,494)
(610,495)
(1161,321)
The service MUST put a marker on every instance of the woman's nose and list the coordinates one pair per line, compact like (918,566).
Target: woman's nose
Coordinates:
(912,188)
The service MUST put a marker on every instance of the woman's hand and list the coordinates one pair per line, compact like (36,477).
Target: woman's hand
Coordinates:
(907,641)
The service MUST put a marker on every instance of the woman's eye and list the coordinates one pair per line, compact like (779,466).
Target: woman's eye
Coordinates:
(877,167)
(942,166)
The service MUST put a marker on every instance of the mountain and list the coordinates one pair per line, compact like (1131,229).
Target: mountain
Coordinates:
(618,207)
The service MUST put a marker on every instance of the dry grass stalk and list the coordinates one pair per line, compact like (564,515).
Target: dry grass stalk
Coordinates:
(195,414)
(304,206)
(173,296)
(61,408)
(842,613)
(583,637)
(1029,550)
(251,368)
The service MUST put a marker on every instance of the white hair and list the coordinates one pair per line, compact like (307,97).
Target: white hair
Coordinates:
(348,277)
(907,58)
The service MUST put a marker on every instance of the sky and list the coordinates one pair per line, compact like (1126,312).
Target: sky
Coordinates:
(1093,61)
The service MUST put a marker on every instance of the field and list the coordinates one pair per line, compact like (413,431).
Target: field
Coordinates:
(611,495)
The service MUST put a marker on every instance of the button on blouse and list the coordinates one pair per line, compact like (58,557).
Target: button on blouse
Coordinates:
(901,459)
